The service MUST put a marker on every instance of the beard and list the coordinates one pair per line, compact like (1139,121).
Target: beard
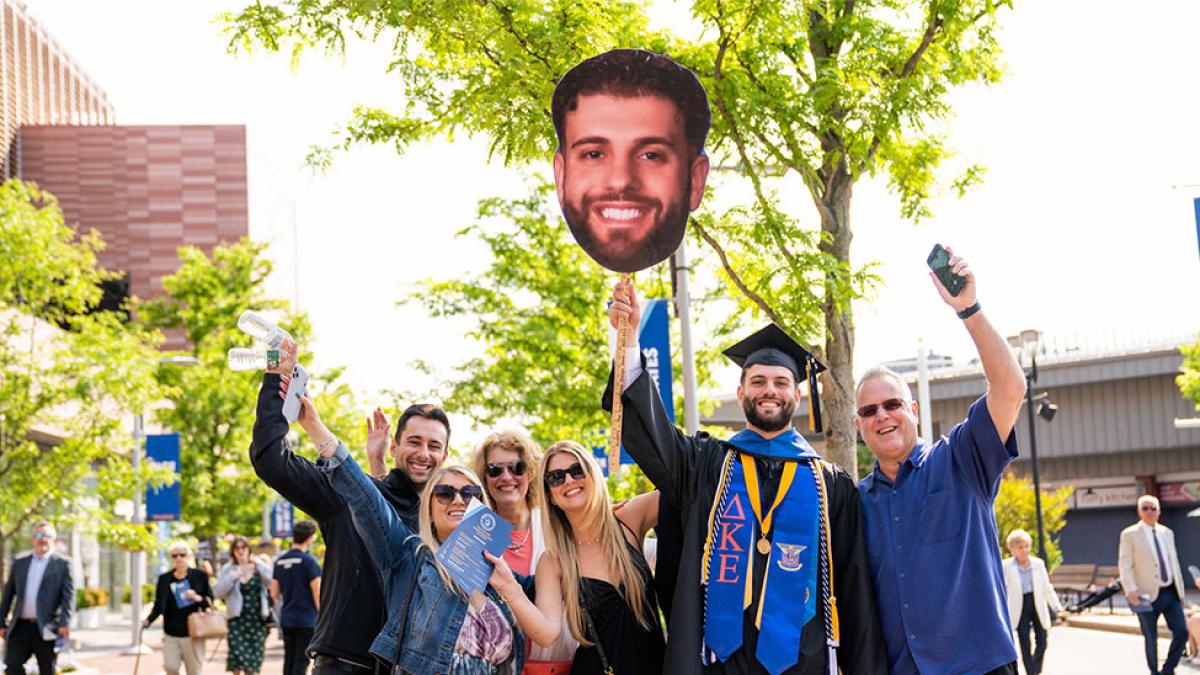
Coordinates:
(621,252)
(776,422)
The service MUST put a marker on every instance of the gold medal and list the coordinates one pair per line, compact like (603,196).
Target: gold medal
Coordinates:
(764,546)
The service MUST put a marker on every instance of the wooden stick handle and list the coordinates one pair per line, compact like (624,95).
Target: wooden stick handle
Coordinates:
(614,434)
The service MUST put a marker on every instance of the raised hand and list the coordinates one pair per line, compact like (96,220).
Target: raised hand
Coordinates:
(289,353)
(378,435)
(309,419)
(624,303)
(968,295)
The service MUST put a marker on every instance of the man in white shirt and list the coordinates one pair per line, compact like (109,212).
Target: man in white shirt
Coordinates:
(44,594)
(1150,574)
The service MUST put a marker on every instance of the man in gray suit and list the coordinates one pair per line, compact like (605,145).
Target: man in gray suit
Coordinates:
(40,583)
(1151,576)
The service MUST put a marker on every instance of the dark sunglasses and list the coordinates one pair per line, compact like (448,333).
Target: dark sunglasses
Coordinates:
(494,470)
(445,493)
(1149,507)
(890,405)
(179,555)
(559,476)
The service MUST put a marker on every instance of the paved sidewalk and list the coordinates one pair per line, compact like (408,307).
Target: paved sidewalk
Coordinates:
(98,650)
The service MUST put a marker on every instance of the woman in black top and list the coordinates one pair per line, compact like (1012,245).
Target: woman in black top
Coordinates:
(180,591)
(593,570)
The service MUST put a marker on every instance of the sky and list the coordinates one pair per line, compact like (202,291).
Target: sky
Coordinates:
(1083,227)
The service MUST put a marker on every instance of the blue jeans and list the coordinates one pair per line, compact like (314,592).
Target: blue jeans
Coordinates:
(1168,605)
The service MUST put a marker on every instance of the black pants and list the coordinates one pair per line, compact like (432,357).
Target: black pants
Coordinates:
(1029,619)
(1167,604)
(22,641)
(1010,669)
(295,647)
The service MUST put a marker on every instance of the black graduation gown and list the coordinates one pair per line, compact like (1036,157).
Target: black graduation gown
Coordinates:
(686,469)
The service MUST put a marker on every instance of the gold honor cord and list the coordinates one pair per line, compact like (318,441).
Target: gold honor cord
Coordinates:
(835,628)
(618,416)
(750,472)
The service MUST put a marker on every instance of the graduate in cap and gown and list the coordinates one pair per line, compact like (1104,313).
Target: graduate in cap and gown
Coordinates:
(773,576)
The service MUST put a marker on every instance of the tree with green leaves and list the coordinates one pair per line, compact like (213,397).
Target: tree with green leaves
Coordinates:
(1015,509)
(70,377)
(1189,373)
(807,95)
(212,408)
(536,312)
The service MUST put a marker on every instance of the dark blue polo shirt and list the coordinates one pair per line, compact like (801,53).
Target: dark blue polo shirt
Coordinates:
(295,571)
(935,555)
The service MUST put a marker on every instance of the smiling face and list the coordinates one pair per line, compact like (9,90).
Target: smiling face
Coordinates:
(446,517)
(420,449)
(573,495)
(768,396)
(890,434)
(626,179)
(507,490)
(1148,510)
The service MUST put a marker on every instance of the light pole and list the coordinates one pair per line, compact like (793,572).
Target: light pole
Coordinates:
(1028,342)
(138,558)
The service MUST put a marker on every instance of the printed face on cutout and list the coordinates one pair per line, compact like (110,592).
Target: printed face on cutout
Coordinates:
(626,179)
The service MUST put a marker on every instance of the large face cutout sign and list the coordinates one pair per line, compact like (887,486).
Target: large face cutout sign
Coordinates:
(630,164)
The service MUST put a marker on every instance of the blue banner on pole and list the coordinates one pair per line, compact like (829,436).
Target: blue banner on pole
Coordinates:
(1196,206)
(283,518)
(163,503)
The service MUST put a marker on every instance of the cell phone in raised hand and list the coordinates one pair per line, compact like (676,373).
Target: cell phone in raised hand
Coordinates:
(939,262)
(291,405)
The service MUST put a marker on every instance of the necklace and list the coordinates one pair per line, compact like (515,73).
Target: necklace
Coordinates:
(584,543)
(516,545)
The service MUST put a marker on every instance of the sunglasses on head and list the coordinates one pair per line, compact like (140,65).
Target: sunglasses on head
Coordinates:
(445,493)
(557,477)
(890,405)
(496,469)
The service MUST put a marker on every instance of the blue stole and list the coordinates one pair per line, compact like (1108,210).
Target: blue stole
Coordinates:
(791,571)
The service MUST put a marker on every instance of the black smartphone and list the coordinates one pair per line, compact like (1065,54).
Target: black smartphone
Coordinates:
(939,262)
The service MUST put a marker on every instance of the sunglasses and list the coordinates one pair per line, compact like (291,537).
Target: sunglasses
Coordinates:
(42,535)
(1149,507)
(445,493)
(559,476)
(890,405)
(494,470)
(179,555)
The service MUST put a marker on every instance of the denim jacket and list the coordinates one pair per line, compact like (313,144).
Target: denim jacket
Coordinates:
(435,613)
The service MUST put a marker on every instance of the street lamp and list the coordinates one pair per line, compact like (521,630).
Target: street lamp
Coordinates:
(1028,343)
(137,558)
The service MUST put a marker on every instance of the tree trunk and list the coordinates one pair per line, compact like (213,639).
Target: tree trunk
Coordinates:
(3,559)
(837,393)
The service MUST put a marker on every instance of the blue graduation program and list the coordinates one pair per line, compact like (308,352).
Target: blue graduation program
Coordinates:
(481,529)
(179,588)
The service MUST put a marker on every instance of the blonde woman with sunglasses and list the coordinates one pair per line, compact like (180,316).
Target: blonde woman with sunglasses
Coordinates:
(432,627)
(593,572)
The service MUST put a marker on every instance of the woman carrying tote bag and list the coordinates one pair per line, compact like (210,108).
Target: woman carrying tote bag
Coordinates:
(180,593)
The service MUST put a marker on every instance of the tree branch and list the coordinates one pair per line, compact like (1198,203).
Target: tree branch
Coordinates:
(733,275)
(506,15)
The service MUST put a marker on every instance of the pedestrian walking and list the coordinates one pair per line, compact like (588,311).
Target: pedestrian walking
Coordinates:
(180,591)
(243,584)
(1153,582)
(42,596)
(1031,598)
(296,586)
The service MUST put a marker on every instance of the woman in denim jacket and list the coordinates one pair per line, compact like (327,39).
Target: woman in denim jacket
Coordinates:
(431,627)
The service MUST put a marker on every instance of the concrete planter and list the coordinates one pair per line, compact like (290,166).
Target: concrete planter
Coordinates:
(89,617)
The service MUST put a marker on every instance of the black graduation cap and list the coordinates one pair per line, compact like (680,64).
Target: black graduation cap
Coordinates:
(771,346)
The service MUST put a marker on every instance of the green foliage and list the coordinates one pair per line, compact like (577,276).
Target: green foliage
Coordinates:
(1189,373)
(69,379)
(1015,510)
(90,596)
(539,315)
(213,408)
(825,93)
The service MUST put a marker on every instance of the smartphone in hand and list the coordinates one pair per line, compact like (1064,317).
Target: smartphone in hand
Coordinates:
(939,262)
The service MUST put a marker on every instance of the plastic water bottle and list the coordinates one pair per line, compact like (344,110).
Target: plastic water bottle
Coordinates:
(259,327)
(241,358)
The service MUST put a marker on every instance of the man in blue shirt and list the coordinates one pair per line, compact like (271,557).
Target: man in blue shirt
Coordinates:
(297,581)
(928,512)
